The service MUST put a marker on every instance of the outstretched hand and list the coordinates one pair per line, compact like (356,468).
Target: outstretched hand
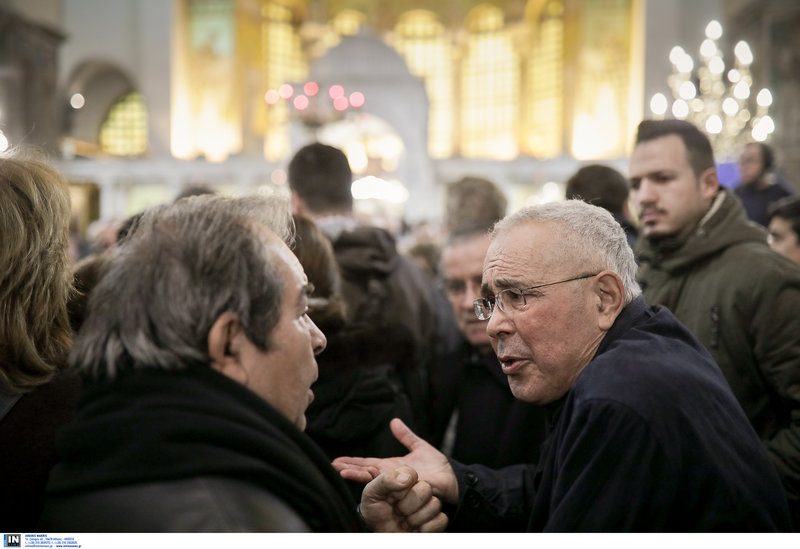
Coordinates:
(428,462)
(397,501)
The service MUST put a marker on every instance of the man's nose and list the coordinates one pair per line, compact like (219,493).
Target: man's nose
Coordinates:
(318,339)
(646,192)
(499,324)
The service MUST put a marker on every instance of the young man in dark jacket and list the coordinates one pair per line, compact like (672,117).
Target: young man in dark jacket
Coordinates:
(199,357)
(644,432)
(701,258)
(380,286)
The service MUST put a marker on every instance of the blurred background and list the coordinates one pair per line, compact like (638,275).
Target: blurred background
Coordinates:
(136,100)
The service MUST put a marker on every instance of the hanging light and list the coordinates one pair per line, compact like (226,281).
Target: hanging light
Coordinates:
(658,104)
(77,101)
(714,124)
(741,90)
(714,30)
(743,53)
(716,65)
(680,109)
(676,54)
(708,48)
(730,106)
(687,90)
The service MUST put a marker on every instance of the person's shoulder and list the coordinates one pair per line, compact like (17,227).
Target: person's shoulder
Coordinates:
(198,504)
(752,262)
(648,358)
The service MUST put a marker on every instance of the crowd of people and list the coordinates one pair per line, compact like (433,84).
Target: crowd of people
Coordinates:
(626,359)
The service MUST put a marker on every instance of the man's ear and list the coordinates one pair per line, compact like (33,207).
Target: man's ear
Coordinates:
(224,347)
(610,295)
(709,184)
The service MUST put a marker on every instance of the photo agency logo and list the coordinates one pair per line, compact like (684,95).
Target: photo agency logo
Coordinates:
(12,540)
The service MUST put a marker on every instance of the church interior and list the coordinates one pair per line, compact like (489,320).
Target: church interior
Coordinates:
(136,100)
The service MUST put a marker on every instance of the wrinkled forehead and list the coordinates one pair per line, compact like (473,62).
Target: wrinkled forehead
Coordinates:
(531,251)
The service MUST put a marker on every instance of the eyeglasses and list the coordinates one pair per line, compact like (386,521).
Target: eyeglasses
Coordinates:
(512,299)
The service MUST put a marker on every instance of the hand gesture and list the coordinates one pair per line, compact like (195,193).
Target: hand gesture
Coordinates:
(397,501)
(428,462)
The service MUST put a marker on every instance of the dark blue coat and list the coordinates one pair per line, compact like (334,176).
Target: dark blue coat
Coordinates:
(649,438)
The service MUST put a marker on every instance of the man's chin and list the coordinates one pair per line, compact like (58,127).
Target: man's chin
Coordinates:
(654,233)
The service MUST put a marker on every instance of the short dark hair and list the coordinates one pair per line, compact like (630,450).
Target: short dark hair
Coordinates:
(474,200)
(321,176)
(698,148)
(159,296)
(469,230)
(787,208)
(599,185)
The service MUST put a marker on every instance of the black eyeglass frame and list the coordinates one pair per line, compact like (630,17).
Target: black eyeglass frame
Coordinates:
(489,303)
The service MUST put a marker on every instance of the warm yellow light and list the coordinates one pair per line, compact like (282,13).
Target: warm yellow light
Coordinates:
(357,156)
(730,106)
(743,53)
(687,90)
(596,134)
(768,123)
(658,104)
(676,54)
(3,142)
(734,75)
(685,64)
(372,187)
(708,48)
(77,101)
(761,130)
(680,109)
(716,65)
(181,140)
(764,98)
(550,192)
(216,137)
(741,90)
(714,124)
(714,30)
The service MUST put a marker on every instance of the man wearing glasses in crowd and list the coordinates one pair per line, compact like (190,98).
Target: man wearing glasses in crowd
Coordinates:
(644,433)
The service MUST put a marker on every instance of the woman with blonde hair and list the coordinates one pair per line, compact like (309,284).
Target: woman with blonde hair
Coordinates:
(35,334)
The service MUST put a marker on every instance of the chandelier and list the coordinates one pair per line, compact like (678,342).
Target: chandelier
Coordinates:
(720,102)
(313,108)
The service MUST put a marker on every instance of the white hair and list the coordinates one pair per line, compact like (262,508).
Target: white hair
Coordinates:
(591,236)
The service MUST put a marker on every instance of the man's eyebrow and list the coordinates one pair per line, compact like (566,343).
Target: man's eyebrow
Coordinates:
(501,284)
(305,293)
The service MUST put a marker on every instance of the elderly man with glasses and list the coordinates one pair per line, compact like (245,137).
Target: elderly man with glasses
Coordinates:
(644,433)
